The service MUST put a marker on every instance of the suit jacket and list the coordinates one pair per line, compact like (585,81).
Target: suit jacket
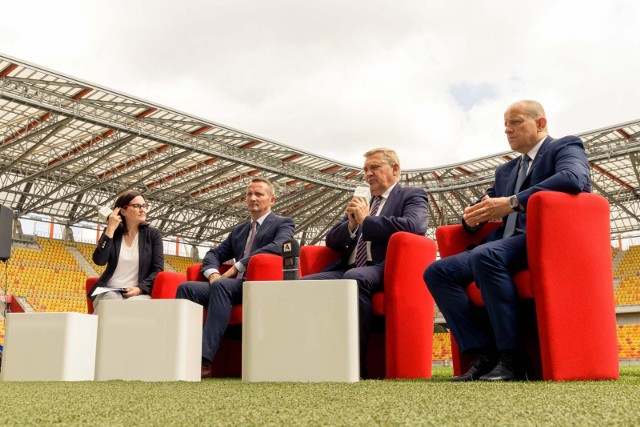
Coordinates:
(560,165)
(406,209)
(273,232)
(150,250)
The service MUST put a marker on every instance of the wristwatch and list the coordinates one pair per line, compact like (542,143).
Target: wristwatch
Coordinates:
(514,203)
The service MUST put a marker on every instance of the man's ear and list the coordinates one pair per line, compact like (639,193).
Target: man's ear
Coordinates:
(542,124)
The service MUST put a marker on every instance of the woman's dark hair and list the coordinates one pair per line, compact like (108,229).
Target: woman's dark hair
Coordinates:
(123,200)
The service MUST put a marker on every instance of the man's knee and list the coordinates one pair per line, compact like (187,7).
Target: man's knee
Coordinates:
(186,290)
(431,274)
(228,289)
(353,274)
(181,292)
(481,256)
(436,273)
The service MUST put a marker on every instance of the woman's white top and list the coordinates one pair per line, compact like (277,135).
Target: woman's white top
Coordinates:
(126,274)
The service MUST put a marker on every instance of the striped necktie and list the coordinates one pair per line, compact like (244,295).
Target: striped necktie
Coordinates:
(361,248)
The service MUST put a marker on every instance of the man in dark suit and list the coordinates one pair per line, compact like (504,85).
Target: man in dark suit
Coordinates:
(546,164)
(364,232)
(264,234)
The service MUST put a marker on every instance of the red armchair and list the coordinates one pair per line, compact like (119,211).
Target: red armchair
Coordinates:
(159,291)
(404,348)
(228,359)
(570,281)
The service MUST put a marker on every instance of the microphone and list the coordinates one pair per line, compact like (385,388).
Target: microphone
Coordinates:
(362,191)
(290,259)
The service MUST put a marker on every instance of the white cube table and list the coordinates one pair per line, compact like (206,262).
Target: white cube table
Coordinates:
(149,340)
(300,330)
(49,347)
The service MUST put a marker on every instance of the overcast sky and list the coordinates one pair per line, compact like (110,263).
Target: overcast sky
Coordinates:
(430,79)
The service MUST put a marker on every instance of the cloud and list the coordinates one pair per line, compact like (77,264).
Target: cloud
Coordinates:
(430,79)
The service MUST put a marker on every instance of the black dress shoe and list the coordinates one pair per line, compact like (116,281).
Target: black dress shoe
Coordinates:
(478,367)
(504,370)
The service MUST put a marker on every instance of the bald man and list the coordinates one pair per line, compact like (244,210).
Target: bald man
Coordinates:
(545,163)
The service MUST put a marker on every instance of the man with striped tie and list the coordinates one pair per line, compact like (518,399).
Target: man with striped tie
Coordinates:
(545,163)
(364,232)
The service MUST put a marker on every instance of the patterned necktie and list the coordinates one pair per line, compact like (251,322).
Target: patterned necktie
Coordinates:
(512,219)
(361,248)
(247,247)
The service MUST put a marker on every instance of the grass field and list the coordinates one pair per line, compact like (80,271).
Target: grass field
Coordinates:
(232,402)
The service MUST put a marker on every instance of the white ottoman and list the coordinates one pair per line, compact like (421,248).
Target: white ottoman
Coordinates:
(149,340)
(49,347)
(300,330)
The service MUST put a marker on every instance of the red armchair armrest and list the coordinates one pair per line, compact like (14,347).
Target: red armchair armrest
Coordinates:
(569,251)
(453,239)
(408,306)
(166,284)
(313,259)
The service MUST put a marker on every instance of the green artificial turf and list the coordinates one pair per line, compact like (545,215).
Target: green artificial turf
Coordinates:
(232,402)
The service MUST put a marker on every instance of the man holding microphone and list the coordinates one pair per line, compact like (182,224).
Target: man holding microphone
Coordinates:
(364,232)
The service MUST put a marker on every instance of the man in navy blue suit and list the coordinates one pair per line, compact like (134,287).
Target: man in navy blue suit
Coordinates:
(369,224)
(264,234)
(545,164)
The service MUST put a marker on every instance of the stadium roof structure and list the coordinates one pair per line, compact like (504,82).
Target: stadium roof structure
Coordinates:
(68,146)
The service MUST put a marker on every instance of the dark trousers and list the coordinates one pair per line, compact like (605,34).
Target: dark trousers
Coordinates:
(490,265)
(218,299)
(370,280)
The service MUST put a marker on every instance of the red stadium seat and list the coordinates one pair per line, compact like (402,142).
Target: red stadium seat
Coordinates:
(569,280)
(405,308)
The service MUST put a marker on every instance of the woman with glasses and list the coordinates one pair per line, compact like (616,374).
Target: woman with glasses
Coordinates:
(132,251)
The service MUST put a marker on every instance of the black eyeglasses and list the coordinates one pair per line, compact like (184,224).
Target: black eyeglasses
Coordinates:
(144,207)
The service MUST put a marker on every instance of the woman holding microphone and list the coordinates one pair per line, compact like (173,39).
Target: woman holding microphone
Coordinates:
(132,251)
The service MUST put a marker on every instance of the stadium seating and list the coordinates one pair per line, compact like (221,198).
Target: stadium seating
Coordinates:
(628,291)
(441,347)
(570,281)
(179,264)
(86,250)
(228,359)
(614,252)
(404,350)
(47,276)
(629,342)
(629,265)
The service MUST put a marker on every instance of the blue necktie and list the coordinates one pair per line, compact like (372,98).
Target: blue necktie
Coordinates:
(361,247)
(512,219)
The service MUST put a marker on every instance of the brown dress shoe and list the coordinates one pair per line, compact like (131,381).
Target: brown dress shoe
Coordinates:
(205,371)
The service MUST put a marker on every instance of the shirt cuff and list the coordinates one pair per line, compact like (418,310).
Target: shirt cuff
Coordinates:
(208,272)
(239,266)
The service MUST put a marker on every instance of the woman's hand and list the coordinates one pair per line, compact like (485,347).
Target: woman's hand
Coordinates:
(114,222)
(132,292)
